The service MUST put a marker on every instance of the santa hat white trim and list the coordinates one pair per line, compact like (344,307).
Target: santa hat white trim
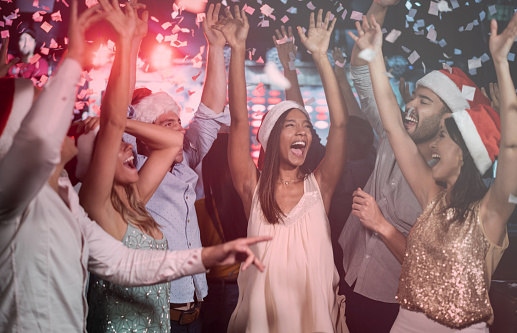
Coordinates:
(149,108)
(473,141)
(446,89)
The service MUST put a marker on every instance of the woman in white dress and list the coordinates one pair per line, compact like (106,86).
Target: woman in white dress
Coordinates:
(298,290)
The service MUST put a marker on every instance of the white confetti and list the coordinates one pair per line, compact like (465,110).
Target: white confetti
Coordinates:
(433,8)
(512,199)
(367,54)
(413,57)
(474,63)
(275,76)
(443,6)
(468,92)
(492,10)
(511,56)
(455,4)
(358,16)
(393,35)
(431,35)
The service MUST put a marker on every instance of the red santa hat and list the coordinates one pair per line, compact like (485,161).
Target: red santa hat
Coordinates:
(455,88)
(480,128)
(16,101)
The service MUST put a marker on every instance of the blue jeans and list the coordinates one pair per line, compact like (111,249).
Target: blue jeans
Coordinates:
(218,306)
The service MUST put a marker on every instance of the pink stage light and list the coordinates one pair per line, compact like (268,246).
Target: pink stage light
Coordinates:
(161,57)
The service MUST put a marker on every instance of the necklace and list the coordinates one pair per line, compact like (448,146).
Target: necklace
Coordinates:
(289,182)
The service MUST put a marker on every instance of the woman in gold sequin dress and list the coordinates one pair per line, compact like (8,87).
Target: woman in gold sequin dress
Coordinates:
(457,242)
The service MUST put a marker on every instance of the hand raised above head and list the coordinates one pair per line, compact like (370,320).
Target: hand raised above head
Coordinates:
(78,26)
(284,43)
(369,35)
(213,36)
(500,45)
(234,27)
(4,65)
(386,3)
(123,22)
(142,24)
(318,36)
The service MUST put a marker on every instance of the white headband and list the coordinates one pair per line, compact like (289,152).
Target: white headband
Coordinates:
(270,118)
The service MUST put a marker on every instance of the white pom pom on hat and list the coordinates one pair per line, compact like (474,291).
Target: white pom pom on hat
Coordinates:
(149,108)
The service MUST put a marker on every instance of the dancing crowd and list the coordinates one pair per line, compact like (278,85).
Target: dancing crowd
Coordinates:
(267,249)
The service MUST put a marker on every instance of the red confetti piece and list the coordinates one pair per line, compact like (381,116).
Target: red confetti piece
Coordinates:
(46,26)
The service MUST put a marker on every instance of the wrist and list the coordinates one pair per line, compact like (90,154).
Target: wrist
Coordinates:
(215,47)
(318,56)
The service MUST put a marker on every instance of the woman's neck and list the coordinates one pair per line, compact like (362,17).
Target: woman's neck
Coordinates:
(289,174)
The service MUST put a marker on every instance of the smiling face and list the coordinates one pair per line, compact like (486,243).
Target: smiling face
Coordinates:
(172,121)
(125,171)
(423,115)
(448,154)
(295,138)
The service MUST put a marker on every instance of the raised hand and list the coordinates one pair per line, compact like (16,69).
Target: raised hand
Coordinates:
(142,24)
(213,36)
(284,43)
(124,23)
(370,35)
(234,27)
(500,45)
(404,91)
(339,61)
(78,26)
(4,65)
(318,36)
(367,210)
(495,100)
(233,252)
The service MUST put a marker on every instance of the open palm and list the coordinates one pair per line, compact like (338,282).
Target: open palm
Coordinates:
(500,45)
(213,36)
(318,36)
(234,28)
(370,35)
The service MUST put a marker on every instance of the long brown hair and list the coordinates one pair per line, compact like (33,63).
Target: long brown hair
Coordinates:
(469,186)
(269,177)
(137,214)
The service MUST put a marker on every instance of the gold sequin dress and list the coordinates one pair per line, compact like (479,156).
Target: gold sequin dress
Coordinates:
(448,266)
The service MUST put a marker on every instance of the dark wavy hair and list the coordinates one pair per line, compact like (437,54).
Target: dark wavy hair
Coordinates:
(269,177)
(222,201)
(469,186)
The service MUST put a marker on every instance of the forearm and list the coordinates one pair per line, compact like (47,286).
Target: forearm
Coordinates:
(237,88)
(154,136)
(113,261)
(351,102)
(214,90)
(135,47)
(36,147)
(389,109)
(337,107)
(114,104)
(293,93)
(508,102)
(379,12)
(394,240)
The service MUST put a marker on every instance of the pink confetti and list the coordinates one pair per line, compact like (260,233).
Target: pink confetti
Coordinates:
(34,59)
(310,5)
(64,2)
(249,10)
(356,15)
(309,101)
(191,92)
(46,26)
(166,25)
(35,3)
(154,19)
(260,60)
(91,3)
(180,89)
(194,78)
(43,79)
(36,17)
(56,16)
(159,38)
(266,10)
(344,14)
(284,19)
(44,50)
(5,33)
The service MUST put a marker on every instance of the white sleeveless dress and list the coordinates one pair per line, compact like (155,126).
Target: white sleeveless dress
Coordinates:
(297,292)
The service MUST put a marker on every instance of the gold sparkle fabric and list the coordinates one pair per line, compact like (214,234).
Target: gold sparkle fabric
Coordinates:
(448,266)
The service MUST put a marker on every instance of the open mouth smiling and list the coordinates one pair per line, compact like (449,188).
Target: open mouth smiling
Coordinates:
(298,148)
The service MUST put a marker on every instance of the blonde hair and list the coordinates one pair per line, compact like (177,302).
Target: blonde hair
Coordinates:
(137,215)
